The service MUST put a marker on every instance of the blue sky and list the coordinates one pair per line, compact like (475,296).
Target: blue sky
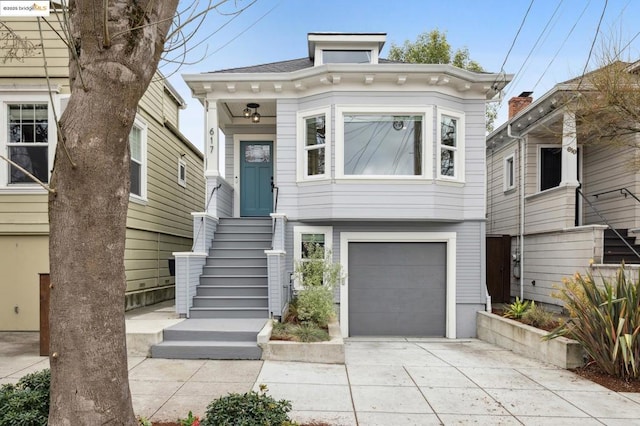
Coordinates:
(276,30)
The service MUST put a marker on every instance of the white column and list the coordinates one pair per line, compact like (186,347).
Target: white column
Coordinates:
(569,154)
(211,146)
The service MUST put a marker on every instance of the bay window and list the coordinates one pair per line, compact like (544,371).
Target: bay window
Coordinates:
(450,139)
(383,142)
(314,134)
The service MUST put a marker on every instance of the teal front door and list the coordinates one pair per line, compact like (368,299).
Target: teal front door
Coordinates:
(256,177)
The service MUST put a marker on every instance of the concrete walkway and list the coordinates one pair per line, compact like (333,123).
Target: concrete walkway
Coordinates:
(384,382)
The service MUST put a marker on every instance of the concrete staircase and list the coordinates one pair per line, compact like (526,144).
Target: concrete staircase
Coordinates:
(616,251)
(231,302)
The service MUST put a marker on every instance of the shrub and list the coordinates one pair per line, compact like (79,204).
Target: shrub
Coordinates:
(249,409)
(538,317)
(516,309)
(605,320)
(310,332)
(27,402)
(315,304)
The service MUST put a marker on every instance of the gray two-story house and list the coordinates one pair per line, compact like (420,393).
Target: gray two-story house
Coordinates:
(381,162)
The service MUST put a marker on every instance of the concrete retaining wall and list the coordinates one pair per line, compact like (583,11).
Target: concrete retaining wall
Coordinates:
(526,340)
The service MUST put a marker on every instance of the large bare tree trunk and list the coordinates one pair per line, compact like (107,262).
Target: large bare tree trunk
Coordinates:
(87,213)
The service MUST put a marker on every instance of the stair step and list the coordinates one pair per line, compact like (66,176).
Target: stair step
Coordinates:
(245,228)
(229,312)
(264,244)
(244,220)
(220,253)
(232,290)
(230,280)
(234,270)
(237,261)
(209,336)
(239,302)
(242,235)
(186,349)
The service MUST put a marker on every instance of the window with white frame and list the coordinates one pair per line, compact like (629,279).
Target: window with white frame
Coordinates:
(509,173)
(138,147)
(310,244)
(450,145)
(314,133)
(549,167)
(382,142)
(182,173)
(28,142)
(336,56)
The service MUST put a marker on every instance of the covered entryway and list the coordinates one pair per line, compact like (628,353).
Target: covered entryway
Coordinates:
(256,178)
(397,288)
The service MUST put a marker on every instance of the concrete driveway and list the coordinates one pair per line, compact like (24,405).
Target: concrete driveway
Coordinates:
(384,382)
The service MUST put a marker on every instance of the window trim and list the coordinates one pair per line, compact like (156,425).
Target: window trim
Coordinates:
(427,134)
(459,160)
(509,171)
(539,149)
(182,165)
(301,116)
(31,97)
(141,124)
(300,230)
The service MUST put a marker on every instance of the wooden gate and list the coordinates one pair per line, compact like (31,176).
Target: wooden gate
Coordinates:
(499,268)
(44,314)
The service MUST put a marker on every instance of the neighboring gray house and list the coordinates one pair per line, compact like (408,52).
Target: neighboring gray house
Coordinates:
(557,199)
(380,161)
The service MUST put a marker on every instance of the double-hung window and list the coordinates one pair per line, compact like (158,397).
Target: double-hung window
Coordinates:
(311,245)
(314,134)
(450,139)
(28,142)
(384,143)
(138,167)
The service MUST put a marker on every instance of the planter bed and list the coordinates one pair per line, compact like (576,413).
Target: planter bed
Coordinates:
(526,340)
(330,352)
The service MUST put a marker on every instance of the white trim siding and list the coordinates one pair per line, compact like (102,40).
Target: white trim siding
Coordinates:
(298,232)
(458,149)
(302,148)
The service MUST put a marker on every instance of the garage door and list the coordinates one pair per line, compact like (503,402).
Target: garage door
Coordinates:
(397,289)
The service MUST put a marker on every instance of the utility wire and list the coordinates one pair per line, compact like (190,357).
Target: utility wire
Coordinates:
(561,45)
(593,43)
(518,73)
(514,40)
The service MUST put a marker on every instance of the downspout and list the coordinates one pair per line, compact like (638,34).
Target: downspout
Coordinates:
(522,176)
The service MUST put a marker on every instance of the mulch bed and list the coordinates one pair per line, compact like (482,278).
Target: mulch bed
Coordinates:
(593,373)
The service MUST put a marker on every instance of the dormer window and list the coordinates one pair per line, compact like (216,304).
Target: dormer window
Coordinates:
(345,48)
(346,56)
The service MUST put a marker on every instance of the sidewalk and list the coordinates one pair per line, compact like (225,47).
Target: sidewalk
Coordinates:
(384,382)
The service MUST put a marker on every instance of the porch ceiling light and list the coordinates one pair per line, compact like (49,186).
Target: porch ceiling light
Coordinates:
(255,117)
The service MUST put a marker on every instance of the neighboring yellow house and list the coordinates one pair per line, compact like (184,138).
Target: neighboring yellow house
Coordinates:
(167,178)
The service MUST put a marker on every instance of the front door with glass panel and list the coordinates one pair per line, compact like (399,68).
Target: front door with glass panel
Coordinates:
(256,177)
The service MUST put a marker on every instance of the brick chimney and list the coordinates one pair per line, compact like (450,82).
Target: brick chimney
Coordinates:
(518,103)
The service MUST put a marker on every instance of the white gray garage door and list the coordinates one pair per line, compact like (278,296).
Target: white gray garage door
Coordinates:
(397,289)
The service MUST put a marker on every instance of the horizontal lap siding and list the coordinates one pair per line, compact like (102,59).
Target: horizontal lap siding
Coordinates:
(550,257)
(146,255)
(502,207)
(32,65)
(24,214)
(169,205)
(600,161)
(553,210)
